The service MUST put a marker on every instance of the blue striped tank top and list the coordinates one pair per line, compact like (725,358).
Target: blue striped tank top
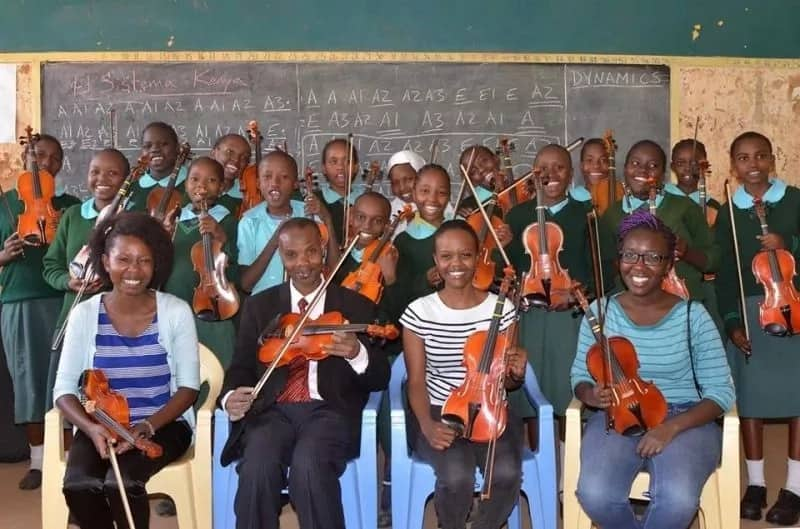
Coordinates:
(136,366)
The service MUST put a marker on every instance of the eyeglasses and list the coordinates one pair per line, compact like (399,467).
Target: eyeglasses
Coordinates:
(649,258)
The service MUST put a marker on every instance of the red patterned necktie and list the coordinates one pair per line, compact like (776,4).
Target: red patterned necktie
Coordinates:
(296,389)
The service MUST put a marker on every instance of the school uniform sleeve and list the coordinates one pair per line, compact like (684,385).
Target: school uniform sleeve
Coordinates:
(579,372)
(54,262)
(701,238)
(182,343)
(245,242)
(710,363)
(231,248)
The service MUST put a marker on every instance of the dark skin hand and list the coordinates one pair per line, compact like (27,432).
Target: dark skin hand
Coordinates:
(12,249)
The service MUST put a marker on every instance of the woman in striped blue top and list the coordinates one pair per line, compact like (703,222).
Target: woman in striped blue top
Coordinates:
(436,327)
(680,350)
(146,345)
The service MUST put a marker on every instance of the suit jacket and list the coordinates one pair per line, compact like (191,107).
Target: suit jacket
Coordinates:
(341,387)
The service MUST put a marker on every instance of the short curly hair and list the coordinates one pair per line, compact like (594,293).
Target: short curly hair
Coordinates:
(135,224)
(644,220)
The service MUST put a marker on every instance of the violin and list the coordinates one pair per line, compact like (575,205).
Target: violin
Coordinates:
(309,189)
(548,284)
(703,171)
(248,179)
(511,192)
(604,196)
(477,409)
(37,224)
(672,283)
(367,278)
(310,341)
(779,313)
(485,266)
(110,409)
(214,297)
(164,199)
(637,406)
(372,174)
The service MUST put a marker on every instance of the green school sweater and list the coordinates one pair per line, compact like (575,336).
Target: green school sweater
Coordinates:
(685,219)
(783,218)
(22,279)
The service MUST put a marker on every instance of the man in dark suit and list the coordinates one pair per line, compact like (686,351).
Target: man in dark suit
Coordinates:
(308,414)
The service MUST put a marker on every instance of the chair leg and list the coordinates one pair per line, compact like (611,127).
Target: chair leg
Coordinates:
(184,505)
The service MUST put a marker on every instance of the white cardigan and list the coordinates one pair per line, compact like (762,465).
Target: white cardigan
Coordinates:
(177,334)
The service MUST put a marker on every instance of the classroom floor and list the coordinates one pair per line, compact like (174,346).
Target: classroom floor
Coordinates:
(21,509)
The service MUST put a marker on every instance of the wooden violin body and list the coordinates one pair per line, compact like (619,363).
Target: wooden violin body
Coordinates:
(37,223)
(309,343)
(779,313)
(485,266)
(512,192)
(606,192)
(248,179)
(637,405)
(111,410)
(162,200)
(671,283)
(214,297)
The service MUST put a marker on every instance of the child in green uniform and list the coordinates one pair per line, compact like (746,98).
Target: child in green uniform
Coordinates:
(334,166)
(233,152)
(30,311)
(766,384)
(370,220)
(482,172)
(257,240)
(107,170)
(696,251)
(203,185)
(160,142)
(417,274)
(550,336)
(686,155)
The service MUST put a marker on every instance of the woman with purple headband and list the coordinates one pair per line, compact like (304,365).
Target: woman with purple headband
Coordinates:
(680,351)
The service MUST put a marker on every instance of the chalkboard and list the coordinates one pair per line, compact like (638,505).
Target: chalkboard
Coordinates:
(388,107)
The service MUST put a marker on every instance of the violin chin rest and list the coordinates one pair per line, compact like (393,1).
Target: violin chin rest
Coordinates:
(537,300)
(207,315)
(775,329)
(454,422)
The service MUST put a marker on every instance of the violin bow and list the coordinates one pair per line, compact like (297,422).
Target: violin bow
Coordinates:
(485,216)
(729,197)
(347,188)
(303,319)
(577,142)
(123,493)
(460,195)
(434,150)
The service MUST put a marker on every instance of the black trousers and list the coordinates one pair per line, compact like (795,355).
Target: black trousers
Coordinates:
(312,440)
(455,475)
(90,487)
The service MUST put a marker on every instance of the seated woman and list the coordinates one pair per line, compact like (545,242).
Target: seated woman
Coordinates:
(145,344)
(436,327)
(680,351)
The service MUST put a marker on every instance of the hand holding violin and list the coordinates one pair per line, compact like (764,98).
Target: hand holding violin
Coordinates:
(438,435)
(433,276)
(314,206)
(388,264)
(92,286)
(343,344)
(207,224)
(100,436)
(516,360)
(139,431)
(740,340)
(12,248)
(594,395)
(771,241)
(504,234)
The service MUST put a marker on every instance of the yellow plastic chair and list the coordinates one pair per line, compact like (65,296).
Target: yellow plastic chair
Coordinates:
(719,501)
(187,480)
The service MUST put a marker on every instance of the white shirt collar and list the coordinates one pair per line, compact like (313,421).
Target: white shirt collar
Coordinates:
(296,296)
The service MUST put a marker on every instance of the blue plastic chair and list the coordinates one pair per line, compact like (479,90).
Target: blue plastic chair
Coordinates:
(359,482)
(413,480)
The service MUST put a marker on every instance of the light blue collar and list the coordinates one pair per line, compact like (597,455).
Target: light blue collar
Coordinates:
(87,209)
(235,191)
(555,208)
(419,228)
(482,194)
(631,203)
(217,212)
(146,181)
(744,200)
(60,189)
(580,193)
(332,196)
(357,255)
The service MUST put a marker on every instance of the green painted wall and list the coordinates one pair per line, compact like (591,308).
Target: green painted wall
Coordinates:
(754,28)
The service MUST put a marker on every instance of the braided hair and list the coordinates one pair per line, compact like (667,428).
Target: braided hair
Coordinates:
(644,220)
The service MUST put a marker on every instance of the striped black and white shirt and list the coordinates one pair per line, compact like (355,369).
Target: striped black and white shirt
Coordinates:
(445,330)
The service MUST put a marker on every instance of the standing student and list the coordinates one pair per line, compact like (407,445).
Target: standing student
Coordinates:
(680,351)
(257,241)
(107,170)
(550,335)
(766,382)
(483,172)
(307,417)
(417,275)
(595,172)
(30,311)
(160,142)
(233,152)
(203,215)
(335,156)
(402,171)
(144,342)
(435,330)
(696,251)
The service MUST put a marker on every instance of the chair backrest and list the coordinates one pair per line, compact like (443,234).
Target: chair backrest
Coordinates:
(398,376)
(211,372)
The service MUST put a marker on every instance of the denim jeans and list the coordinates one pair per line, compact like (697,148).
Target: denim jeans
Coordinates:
(609,464)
